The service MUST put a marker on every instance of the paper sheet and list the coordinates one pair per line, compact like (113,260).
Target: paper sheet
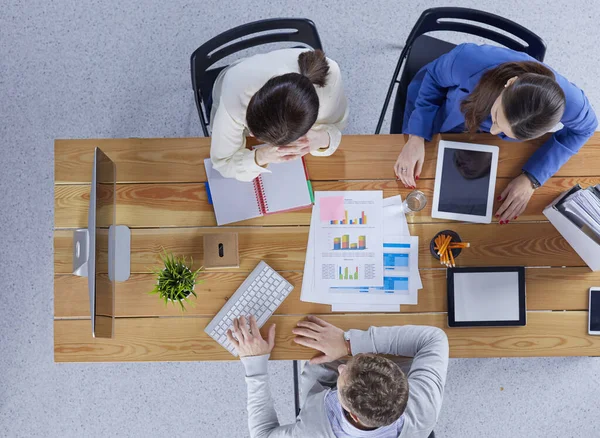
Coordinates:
(233,200)
(401,277)
(585,205)
(396,229)
(362,308)
(401,257)
(309,293)
(394,219)
(292,176)
(349,252)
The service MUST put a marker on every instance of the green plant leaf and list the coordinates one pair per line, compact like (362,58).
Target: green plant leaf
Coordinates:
(175,281)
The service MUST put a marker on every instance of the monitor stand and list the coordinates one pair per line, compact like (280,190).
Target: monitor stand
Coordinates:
(118,235)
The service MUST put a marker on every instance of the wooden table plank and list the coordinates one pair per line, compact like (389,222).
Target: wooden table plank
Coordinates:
(181,159)
(547,289)
(186,204)
(183,339)
(284,248)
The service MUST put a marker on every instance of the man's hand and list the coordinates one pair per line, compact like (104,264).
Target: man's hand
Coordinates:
(320,335)
(279,154)
(248,341)
(516,196)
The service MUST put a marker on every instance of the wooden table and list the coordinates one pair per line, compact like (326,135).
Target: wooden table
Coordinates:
(161,196)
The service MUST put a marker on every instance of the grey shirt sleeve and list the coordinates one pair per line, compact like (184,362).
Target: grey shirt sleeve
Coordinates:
(262,417)
(428,346)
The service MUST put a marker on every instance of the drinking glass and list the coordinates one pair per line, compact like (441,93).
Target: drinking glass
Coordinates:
(415,201)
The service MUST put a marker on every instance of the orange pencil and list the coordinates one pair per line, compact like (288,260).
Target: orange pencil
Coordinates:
(441,245)
(456,245)
(447,241)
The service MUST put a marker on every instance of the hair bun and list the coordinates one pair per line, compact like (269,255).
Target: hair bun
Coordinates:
(313,64)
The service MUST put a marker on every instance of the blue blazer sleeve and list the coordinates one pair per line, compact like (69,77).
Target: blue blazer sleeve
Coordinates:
(579,123)
(439,76)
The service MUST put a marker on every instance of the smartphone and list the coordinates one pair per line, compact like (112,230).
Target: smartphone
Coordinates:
(594,313)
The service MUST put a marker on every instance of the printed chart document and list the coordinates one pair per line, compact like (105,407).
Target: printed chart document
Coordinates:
(362,308)
(401,279)
(349,241)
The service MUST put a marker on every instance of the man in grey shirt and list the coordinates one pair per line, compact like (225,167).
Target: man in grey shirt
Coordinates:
(368,396)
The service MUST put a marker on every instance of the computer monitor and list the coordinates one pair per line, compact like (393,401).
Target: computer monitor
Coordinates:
(101,252)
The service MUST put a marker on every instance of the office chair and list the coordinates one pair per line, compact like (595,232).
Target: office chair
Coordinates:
(420,49)
(273,30)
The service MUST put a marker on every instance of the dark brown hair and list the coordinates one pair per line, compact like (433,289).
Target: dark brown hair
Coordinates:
(533,104)
(287,106)
(375,390)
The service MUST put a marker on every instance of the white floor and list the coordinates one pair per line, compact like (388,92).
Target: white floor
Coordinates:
(75,69)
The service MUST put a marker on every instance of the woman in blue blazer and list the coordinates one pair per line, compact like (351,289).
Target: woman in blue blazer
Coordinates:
(507,93)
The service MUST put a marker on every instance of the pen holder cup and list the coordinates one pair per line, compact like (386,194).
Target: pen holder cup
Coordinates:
(455,238)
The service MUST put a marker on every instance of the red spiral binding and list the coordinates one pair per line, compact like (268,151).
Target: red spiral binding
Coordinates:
(259,190)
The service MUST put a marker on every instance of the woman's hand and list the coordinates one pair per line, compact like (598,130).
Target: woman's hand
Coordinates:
(315,140)
(279,154)
(516,196)
(320,335)
(410,161)
(248,340)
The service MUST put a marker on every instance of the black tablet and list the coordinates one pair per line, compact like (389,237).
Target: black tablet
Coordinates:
(479,297)
(465,180)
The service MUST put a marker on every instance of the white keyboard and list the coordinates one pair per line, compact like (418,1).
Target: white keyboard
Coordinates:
(259,295)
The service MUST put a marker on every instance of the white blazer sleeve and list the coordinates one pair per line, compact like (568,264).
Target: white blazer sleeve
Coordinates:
(335,111)
(228,151)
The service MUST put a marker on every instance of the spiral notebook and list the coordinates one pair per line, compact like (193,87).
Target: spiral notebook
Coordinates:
(285,188)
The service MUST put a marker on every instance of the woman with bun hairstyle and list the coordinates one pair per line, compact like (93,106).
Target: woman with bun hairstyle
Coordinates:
(292,100)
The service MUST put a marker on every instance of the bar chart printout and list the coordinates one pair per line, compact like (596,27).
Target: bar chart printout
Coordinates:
(349,240)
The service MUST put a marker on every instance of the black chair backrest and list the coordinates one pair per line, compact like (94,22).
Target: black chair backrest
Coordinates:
(246,36)
(466,20)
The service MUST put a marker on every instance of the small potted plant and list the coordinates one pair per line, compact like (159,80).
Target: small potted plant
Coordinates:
(175,281)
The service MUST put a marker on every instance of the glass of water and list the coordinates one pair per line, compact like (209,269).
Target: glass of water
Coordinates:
(415,201)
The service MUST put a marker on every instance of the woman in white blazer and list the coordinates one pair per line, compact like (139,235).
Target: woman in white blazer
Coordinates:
(291,99)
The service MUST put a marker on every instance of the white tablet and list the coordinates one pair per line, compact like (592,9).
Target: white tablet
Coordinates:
(465,180)
(486,297)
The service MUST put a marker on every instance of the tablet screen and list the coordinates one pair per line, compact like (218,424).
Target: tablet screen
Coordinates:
(486,296)
(465,182)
